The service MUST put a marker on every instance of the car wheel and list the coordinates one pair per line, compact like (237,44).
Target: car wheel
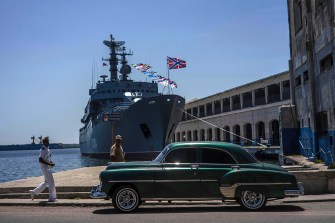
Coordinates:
(252,200)
(125,199)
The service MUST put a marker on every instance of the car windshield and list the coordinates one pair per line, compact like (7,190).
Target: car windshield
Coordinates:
(161,155)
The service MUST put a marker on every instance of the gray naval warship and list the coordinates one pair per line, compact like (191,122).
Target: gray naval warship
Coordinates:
(145,118)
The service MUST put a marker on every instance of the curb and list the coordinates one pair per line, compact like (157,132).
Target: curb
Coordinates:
(104,203)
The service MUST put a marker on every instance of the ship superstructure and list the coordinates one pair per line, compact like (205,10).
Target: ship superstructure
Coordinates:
(145,118)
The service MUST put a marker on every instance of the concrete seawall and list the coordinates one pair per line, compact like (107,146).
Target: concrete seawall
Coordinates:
(317,181)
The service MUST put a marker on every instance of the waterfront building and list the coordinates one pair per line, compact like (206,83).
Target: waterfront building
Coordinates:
(311,25)
(250,111)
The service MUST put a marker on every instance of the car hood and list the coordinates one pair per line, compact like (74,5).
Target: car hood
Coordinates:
(137,164)
(268,166)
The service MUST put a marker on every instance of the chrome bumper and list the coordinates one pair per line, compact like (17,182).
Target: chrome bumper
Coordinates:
(97,193)
(294,193)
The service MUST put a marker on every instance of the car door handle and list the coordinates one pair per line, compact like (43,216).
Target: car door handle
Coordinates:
(194,166)
(235,167)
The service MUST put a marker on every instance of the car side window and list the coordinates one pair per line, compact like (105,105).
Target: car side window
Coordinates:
(186,155)
(216,156)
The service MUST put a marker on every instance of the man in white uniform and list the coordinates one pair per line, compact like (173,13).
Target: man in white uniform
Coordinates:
(46,164)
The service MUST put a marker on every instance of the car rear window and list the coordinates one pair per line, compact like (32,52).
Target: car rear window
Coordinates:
(216,156)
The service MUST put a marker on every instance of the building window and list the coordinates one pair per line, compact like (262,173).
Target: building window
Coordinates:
(202,111)
(247,99)
(297,16)
(195,111)
(226,105)
(236,102)
(326,63)
(286,90)
(188,116)
(217,107)
(305,77)
(209,109)
(260,96)
(297,81)
(322,122)
(273,93)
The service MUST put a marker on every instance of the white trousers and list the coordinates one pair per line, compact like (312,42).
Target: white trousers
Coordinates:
(48,182)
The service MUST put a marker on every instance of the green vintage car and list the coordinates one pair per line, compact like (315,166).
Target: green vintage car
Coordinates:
(196,171)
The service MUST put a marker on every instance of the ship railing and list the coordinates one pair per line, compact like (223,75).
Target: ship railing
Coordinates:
(116,107)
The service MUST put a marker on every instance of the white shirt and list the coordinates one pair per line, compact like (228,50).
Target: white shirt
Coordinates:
(45,154)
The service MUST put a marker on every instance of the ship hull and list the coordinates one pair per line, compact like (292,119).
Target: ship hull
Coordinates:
(146,127)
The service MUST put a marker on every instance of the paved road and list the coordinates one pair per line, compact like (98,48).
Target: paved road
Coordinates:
(321,212)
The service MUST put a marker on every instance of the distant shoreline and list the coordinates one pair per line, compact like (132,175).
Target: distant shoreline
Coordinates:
(15,147)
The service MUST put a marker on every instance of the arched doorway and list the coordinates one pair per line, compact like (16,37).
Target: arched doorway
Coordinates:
(202,135)
(226,134)
(183,136)
(274,129)
(209,134)
(237,132)
(260,131)
(218,134)
(248,134)
(189,136)
(178,136)
(195,135)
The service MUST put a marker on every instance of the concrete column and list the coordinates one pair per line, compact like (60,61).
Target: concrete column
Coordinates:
(221,104)
(266,130)
(254,133)
(241,100)
(266,94)
(253,98)
(231,103)
(281,90)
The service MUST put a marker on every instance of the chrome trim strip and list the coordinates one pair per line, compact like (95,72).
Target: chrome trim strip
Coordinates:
(178,181)
(292,193)
(181,199)
(131,181)
(229,192)
(153,181)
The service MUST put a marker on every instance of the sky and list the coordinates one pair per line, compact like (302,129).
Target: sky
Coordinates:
(48,49)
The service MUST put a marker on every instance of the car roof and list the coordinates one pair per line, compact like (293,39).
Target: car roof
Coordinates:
(237,151)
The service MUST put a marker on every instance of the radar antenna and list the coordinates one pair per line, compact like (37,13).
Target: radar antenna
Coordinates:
(33,138)
(116,49)
(40,138)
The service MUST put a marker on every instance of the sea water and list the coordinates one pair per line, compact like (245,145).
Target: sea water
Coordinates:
(20,164)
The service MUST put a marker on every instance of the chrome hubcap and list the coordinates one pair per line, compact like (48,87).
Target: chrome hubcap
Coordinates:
(127,199)
(253,199)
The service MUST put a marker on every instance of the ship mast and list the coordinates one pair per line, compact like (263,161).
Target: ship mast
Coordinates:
(115,47)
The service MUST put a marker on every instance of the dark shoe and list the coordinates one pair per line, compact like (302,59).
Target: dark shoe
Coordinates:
(53,200)
(32,194)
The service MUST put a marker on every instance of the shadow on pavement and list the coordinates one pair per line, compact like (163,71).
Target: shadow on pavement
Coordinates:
(200,209)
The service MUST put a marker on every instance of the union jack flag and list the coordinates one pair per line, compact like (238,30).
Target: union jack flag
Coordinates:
(176,63)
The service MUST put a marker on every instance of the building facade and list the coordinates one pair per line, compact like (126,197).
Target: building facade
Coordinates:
(250,111)
(311,25)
